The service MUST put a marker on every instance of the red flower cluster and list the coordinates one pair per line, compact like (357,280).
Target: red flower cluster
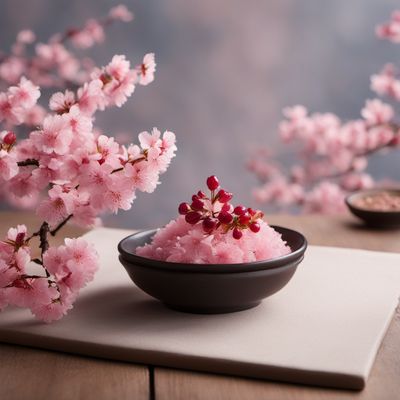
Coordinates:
(216,212)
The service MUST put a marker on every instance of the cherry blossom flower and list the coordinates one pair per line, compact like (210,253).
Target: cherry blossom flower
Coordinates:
(90,97)
(385,83)
(58,206)
(327,197)
(377,113)
(91,33)
(119,195)
(150,140)
(11,69)
(146,70)
(52,311)
(121,13)
(25,95)
(8,165)
(62,102)
(391,29)
(82,261)
(26,36)
(119,81)
(55,137)
(7,274)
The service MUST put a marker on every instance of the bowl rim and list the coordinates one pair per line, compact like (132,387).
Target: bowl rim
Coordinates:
(349,200)
(294,256)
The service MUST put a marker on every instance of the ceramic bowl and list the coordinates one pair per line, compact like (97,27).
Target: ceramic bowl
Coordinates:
(210,288)
(374,218)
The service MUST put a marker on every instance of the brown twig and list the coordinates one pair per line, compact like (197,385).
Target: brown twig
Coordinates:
(60,225)
(28,161)
(43,231)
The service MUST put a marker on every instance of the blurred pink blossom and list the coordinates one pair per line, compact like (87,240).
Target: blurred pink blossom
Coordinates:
(330,157)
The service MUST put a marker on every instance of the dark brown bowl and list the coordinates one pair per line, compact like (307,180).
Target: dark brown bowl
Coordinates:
(374,218)
(211,288)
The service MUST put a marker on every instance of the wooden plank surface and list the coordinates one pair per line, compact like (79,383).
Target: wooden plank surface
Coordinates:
(384,381)
(27,373)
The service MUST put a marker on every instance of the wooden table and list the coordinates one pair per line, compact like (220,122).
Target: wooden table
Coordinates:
(37,374)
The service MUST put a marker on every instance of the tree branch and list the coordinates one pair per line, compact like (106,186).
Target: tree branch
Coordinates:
(43,231)
(60,225)
(28,161)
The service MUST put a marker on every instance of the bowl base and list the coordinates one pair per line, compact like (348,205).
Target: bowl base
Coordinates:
(212,310)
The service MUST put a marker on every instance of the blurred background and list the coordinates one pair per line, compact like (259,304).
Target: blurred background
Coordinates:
(225,71)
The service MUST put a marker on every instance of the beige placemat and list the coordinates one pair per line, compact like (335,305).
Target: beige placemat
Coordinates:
(324,328)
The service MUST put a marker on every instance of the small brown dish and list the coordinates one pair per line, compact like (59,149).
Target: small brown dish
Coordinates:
(362,205)
(211,288)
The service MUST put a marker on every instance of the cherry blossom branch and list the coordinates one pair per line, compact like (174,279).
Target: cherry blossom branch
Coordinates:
(52,59)
(332,158)
(349,169)
(77,167)
(54,231)
(103,22)
(335,154)
(28,162)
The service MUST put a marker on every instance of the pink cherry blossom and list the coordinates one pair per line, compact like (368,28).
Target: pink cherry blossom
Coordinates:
(8,165)
(168,142)
(121,13)
(146,70)
(54,259)
(119,80)
(326,197)
(385,83)
(12,115)
(118,195)
(58,206)
(118,68)
(13,233)
(11,69)
(91,33)
(34,116)
(391,29)
(22,184)
(96,177)
(81,126)
(150,140)
(56,136)
(82,261)
(91,97)
(62,102)
(142,176)
(52,311)
(25,95)
(377,113)
(26,36)
(7,274)
(108,151)
(353,182)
